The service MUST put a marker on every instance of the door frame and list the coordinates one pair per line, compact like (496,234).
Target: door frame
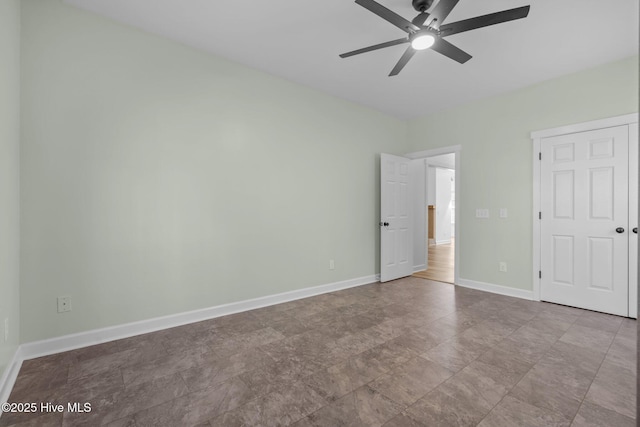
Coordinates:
(536,138)
(457,150)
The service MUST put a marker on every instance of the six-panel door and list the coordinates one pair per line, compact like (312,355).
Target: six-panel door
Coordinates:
(396,240)
(585,224)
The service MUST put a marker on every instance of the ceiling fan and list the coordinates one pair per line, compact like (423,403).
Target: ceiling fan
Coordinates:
(426,30)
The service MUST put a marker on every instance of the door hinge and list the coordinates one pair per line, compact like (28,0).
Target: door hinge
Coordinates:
(539,215)
(540,156)
(539,274)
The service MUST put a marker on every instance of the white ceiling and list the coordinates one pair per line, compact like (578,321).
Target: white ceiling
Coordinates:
(300,40)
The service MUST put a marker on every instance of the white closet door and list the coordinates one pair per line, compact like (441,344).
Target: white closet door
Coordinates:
(585,224)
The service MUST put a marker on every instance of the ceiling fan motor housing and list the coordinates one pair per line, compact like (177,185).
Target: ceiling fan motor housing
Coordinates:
(421,5)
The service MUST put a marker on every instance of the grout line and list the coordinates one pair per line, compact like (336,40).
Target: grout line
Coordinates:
(481,318)
(598,370)
(529,370)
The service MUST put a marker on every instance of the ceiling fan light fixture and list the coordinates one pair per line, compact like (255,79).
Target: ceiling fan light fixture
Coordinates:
(422,40)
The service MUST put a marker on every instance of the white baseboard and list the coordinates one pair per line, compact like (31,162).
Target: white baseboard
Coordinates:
(421,267)
(9,376)
(496,289)
(98,336)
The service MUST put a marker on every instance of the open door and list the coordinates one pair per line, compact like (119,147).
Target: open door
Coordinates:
(396,234)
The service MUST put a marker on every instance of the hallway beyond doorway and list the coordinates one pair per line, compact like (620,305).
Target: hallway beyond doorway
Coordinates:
(441,263)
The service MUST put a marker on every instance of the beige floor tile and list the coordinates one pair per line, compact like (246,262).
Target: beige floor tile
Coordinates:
(412,380)
(591,415)
(410,353)
(614,388)
(511,412)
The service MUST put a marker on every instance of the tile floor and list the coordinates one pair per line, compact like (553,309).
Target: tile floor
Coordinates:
(406,353)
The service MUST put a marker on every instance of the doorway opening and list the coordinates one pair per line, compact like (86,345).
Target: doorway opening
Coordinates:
(436,239)
(440,197)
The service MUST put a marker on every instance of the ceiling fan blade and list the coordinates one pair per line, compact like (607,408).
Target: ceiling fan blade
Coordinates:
(441,11)
(375,47)
(484,21)
(420,19)
(447,49)
(388,15)
(406,56)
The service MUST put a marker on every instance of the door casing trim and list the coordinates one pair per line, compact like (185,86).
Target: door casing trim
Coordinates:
(536,138)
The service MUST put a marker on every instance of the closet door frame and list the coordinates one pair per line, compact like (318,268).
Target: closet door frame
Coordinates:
(536,137)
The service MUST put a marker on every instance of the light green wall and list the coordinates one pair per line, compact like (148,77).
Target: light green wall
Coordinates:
(496,169)
(9,177)
(159,179)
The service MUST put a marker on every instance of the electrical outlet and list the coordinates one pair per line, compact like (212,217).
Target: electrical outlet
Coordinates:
(64,304)
(503,266)
(6,329)
(332,265)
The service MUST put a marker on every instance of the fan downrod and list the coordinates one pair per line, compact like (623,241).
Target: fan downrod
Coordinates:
(421,5)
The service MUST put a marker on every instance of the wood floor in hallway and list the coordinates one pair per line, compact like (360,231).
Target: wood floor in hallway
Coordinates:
(441,263)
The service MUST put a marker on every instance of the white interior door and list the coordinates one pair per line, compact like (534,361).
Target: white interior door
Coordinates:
(444,180)
(585,224)
(396,234)
(633,220)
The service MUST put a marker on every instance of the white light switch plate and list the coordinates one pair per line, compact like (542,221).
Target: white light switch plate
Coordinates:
(482,213)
